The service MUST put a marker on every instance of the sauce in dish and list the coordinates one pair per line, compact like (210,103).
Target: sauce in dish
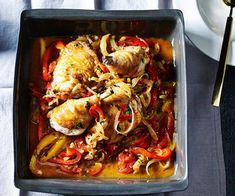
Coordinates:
(102,106)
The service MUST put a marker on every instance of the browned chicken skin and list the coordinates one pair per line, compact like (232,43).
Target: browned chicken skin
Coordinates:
(130,61)
(72,117)
(76,64)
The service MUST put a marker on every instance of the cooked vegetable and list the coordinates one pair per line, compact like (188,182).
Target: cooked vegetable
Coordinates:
(96,112)
(46,58)
(68,157)
(95,169)
(158,154)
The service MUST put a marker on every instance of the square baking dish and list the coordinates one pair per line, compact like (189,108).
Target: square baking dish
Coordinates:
(167,24)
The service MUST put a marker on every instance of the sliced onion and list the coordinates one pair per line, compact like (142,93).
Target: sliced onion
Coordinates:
(139,105)
(113,44)
(141,161)
(93,138)
(93,92)
(146,96)
(100,131)
(148,165)
(164,164)
(150,129)
(102,77)
(145,99)
(103,45)
(98,135)
(116,122)
(147,48)
(125,88)
(172,145)
(115,82)
(136,80)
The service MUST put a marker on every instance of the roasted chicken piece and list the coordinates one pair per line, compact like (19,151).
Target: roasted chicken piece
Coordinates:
(72,117)
(129,61)
(75,65)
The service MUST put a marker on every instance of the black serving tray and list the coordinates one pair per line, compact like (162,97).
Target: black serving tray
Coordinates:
(53,23)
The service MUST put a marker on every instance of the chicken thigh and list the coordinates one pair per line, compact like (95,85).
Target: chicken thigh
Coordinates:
(76,64)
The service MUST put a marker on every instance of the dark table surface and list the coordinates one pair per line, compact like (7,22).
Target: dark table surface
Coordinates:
(227,110)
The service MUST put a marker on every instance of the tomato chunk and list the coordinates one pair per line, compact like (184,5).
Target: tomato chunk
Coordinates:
(95,169)
(126,161)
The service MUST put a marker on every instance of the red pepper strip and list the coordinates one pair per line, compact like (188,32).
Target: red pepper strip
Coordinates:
(170,124)
(41,126)
(96,112)
(45,64)
(46,76)
(142,142)
(123,116)
(154,96)
(103,68)
(159,154)
(152,71)
(164,141)
(95,169)
(73,170)
(71,157)
(134,41)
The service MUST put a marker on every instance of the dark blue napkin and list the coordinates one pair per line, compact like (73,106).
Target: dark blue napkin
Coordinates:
(205,152)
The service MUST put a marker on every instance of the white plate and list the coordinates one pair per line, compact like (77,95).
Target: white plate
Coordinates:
(204,23)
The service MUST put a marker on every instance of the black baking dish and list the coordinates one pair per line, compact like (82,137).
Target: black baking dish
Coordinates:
(39,23)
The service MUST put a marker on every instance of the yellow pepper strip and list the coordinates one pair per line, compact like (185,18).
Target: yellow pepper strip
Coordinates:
(166,105)
(45,141)
(55,149)
(172,146)
(33,166)
(48,139)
